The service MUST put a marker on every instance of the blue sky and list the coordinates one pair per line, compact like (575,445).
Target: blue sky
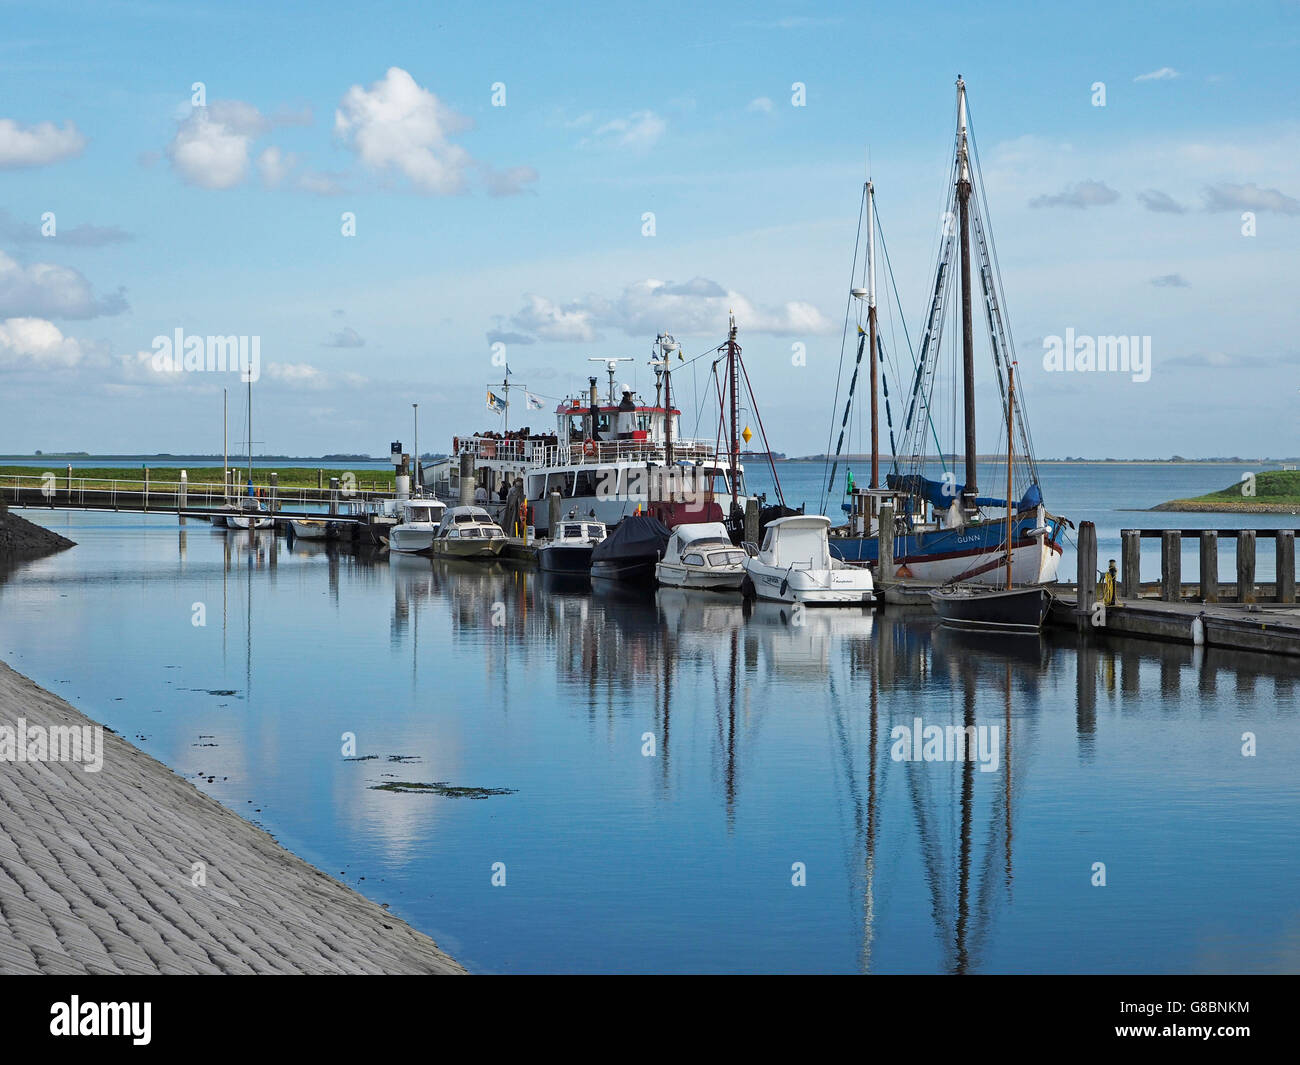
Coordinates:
(524,222)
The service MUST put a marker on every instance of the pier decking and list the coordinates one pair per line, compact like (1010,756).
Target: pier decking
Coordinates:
(97,875)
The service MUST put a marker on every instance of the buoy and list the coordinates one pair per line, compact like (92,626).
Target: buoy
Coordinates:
(1198,632)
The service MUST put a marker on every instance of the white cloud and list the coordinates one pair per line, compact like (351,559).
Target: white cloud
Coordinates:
(34,342)
(296,374)
(275,165)
(45,290)
(760,103)
(512,181)
(347,337)
(1249,197)
(398,126)
(638,132)
(211,145)
(38,145)
(699,307)
(1163,74)
(1082,194)
(1160,202)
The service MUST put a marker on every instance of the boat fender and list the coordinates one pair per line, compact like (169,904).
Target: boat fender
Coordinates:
(1198,631)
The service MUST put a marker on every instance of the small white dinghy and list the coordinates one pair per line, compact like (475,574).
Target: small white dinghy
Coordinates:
(415,533)
(701,555)
(795,565)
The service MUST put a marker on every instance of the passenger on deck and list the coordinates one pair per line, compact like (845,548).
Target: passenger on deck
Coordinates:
(480,495)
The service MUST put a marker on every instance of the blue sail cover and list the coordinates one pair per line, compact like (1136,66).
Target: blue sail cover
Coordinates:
(942,496)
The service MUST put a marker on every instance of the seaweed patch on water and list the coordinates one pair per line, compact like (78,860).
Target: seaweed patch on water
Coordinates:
(361,758)
(403,757)
(439,787)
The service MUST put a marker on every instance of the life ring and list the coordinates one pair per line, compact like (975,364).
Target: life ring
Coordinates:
(589,448)
(455,445)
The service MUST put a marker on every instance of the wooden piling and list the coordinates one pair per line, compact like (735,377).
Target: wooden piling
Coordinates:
(751,520)
(1286,566)
(334,497)
(273,493)
(1130,577)
(1086,577)
(1171,565)
(183,493)
(553,508)
(1209,565)
(1246,566)
(885,547)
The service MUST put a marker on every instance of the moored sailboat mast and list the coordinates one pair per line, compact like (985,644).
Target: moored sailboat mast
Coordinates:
(969,492)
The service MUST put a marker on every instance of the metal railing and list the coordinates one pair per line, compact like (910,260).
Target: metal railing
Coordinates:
(596,452)
(169,494)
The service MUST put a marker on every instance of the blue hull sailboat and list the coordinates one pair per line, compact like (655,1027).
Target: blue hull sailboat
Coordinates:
(943,529)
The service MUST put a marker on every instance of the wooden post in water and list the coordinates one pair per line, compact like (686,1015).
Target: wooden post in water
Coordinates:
(1171,565)
(552,510)
(1130,577)
(320,480)
(1209,566)
(183,492)
(466,478)
(885,548)
(146,488)
(69,482)
(334,497)
(1246,566)
(751,520)
(1087,575)
(1286,565)
(273,492)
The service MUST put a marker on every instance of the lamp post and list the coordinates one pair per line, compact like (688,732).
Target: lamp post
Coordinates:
(416,408)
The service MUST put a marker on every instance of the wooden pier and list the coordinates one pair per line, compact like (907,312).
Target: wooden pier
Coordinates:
(1244,615)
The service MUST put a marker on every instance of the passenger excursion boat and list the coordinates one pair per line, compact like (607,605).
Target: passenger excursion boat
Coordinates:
(415,533)
(701,555)
(943,528)
(608,458)
(569,550)
(467,532)
(795,565)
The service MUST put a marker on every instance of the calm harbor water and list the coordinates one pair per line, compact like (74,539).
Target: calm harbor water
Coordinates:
(771,747)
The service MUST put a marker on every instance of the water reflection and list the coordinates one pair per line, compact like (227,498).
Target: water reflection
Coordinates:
(772,744)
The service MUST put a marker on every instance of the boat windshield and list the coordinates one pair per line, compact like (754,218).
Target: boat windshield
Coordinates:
(726,558)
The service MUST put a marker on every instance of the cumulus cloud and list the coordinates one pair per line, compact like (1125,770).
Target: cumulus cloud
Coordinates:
(319,183)
(210,148)
(396,126)
(82,235)
(1080,195)
(347,337)
(761,103)
(1163,74)
(638,132)
(1170,281)
(1250,197)
(38,145)
(275,165)
(1161,202)
(698,307)
(44,290)
(36,343)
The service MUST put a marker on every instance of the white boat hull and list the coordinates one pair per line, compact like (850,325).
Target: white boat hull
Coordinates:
(849,586)
(1034,563)
(411,541)
(702,577)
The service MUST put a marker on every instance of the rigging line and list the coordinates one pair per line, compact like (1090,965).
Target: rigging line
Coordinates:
(844,339)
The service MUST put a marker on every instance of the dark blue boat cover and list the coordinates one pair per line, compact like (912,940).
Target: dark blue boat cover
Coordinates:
(637,536)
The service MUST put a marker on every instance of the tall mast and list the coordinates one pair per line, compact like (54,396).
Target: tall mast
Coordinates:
(967,335)
(225,445)
(871,327)
(1011,417)
(733,371)
(250,430)
(668,412)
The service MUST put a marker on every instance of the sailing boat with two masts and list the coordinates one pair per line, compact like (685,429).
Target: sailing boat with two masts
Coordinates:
(943,529)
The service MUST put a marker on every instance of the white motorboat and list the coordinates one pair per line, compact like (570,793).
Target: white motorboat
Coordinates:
(312,529)
(251,514)
(419,526)
(468,532)
(701,556)
(569,550)
(795,565)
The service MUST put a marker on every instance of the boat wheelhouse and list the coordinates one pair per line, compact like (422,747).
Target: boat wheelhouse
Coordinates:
(420,522)
(569,549)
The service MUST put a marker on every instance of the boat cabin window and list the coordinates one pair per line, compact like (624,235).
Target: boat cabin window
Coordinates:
(643,422)
(726,558)
(572,530)
(693,559)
